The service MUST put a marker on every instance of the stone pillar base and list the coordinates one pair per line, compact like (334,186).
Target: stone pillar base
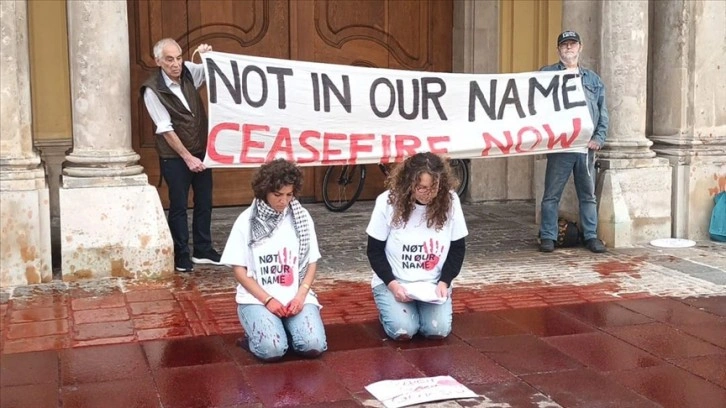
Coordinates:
(114,232)
(695,184)
(634,202)
(25,237)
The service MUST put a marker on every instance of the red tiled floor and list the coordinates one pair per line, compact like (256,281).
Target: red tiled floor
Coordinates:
(712,368)
(29,368)
(714,305)
(605,314)
(603,352)
(357,368)
(185,352)
(669,311)
(34,395)
(207,385)
(110,314)
(713,332)
(163,333)
(482,324)
(116,299)
(104,341)
(155,321)
(296,383)
(149,295)
(664,341)
(37,329)
(23,345)
(585,388)
(511,394)
(464,363)
(523,354)
(134,392)
(351,336)
(102,364)
(672,387)
(92,331)
(154,307)
(545,322)
(39,314)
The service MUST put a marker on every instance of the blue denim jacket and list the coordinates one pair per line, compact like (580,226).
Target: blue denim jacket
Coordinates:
(595,94)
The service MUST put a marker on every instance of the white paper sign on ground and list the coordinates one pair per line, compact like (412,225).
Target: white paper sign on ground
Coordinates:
(410,391)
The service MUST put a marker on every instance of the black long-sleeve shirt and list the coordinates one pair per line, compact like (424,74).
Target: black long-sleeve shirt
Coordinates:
(376,252)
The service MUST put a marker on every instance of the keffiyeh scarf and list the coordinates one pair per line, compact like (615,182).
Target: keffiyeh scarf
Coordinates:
(264,220)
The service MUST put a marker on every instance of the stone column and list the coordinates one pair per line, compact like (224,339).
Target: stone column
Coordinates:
(689,107)
(25,254)
(475,50)
(634,187)
(112,222)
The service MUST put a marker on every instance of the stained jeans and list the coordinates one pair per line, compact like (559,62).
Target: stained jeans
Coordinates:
(403,320)
(179,178)
(267,334)
(559,168)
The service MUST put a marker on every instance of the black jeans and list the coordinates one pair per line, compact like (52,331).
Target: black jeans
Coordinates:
(179,178)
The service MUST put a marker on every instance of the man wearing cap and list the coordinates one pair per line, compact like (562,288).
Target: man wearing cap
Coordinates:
(581,164)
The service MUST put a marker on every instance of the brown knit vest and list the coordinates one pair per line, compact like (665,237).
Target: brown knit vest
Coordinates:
(190,125)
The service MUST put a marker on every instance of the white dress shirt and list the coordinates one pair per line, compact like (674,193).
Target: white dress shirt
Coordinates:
(157,111)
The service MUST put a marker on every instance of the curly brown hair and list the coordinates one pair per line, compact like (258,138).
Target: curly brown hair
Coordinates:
(405,177)
(273,176)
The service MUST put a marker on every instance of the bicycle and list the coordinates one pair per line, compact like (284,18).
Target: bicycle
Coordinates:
(342,185)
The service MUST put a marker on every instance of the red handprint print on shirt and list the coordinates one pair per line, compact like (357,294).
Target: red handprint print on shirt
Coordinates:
(433,253)
(287,266)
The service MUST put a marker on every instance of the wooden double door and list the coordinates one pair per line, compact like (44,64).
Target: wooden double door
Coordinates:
(401,34)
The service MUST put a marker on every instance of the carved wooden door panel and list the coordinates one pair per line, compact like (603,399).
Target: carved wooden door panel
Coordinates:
(405,34)
(400,34)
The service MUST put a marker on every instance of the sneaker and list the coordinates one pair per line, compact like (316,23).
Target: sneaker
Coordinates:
(207,257)
(546,245)
(183,264)
(595,245)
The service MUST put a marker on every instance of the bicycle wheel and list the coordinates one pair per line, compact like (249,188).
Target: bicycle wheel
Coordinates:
(460,169)
(342,185)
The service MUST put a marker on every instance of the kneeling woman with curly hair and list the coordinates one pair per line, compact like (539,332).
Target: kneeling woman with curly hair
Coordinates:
(274,251)
(416,248)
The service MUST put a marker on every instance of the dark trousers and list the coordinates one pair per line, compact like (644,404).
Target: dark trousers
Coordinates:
(179,178)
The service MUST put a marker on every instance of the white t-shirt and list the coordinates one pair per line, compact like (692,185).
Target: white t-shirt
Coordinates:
(415,252)
(273,262)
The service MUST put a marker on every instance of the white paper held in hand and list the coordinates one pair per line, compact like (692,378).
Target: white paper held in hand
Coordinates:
(423,291)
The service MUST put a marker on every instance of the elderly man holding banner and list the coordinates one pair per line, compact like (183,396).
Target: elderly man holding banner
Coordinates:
(580,163)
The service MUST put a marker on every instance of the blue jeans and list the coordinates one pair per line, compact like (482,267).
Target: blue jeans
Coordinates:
(268,335)
(402,320)
(179,178)
(559,168)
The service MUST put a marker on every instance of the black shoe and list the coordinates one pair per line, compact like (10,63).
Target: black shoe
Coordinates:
(183,264)
(595,245)
(546,245)
(209,256)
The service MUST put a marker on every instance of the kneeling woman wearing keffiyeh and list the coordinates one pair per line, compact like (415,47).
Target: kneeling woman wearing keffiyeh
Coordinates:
(273,251)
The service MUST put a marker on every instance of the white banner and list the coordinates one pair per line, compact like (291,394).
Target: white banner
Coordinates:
(261,109)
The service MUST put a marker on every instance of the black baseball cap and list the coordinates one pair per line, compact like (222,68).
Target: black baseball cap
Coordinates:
(568,36)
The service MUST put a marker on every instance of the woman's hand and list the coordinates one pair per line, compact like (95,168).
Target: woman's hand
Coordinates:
(442,290)
(295,306)
(399,292)
(276,308)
